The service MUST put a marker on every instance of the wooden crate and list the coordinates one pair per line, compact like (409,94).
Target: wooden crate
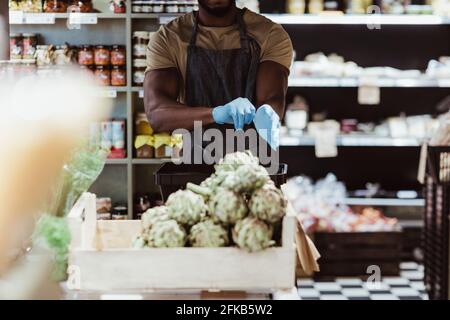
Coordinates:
(351,253)
(101,258)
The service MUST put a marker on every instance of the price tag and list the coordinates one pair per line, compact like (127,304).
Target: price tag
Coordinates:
(422,164)
(40,18)
(444,83)
(16,17)
(141,94)
(102,93)
(166,19)
(325,143)
(369,92)
(83,18)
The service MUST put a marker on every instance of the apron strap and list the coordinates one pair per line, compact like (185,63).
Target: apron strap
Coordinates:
(241,26)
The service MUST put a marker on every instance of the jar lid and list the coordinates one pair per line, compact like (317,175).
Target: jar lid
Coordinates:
(85,46)
(101,67)
(29,35)
(118,67)
(100,46)
(117,46)
(15,35)
(141,34)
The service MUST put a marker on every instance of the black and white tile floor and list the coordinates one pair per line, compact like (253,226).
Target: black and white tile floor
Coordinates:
(408,286)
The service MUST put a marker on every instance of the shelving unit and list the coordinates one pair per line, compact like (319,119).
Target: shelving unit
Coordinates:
(121,175)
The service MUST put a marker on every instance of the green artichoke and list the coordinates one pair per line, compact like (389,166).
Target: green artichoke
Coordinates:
(268,204)
(252,234)
(166,234)
(232,161)
(186,207)
(227,206)
(246,178)
(208,234)
(153,215)
(139,242)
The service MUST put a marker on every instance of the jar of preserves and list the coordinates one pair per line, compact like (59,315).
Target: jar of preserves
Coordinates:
(118,76)
(140,43)
(158,6)
(119,6)
(86,55)
(118,55)
(103,75)
(15,46)
(102,56)
(139,67)
(171,6)
(29,43)
(83,5)
(55,6)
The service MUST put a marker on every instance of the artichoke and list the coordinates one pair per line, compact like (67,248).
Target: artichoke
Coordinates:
(227,206)
(268,204)
(252,234)
(208,234)
(166,234)
(139,242)
(246,178)
(186,207)
(153,215)
(232,161)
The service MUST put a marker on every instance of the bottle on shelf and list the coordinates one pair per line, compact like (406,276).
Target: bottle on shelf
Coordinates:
(296,6)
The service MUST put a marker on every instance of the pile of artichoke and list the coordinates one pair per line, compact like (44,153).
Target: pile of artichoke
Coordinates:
(238,202)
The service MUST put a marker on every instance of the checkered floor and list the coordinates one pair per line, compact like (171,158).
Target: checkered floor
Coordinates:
(409,286)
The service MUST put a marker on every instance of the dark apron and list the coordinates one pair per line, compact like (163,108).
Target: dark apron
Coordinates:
(216,77)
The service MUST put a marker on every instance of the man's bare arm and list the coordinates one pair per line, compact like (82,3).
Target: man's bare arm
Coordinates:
(271,86)
(161,88)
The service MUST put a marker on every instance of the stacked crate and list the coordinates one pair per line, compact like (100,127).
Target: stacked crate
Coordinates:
(436,230)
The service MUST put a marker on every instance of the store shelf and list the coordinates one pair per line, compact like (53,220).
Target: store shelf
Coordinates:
(389,202)
(117,161)
(369,19)
(352,82)
(353,141)
(151,161)
(18,17)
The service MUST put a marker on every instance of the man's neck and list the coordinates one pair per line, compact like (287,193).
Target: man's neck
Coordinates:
(209,20)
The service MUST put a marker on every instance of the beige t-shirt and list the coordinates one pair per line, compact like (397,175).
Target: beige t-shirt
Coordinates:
(168,46)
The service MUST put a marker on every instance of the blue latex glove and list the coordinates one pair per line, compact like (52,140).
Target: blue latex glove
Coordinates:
(238,112)
(267,123)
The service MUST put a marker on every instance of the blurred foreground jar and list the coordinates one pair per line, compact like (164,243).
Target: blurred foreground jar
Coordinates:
(103,75)
(55,6)
(118,55)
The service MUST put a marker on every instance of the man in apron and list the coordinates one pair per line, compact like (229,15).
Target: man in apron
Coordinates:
(222,66)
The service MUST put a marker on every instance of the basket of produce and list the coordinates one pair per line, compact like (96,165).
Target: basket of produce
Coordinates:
(172,177)
(348,240)
(219,234)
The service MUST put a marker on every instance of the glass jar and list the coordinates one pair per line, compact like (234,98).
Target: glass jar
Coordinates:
(29,42)
(139,67)
(103,75)
(140,43)
(15,46)
(136,6)
(61,55)
(118,55)
(83,5)
(118,76)
(44,55)
(85,55)
(158,6)
(102,56)
(119,6)
(171,7)
(55,6)
(34,6)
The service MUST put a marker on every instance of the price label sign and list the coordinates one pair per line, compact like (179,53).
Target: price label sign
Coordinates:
(141,94)
(40,18)
(16,17)
(83,18)
(107,93)
(166,19)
